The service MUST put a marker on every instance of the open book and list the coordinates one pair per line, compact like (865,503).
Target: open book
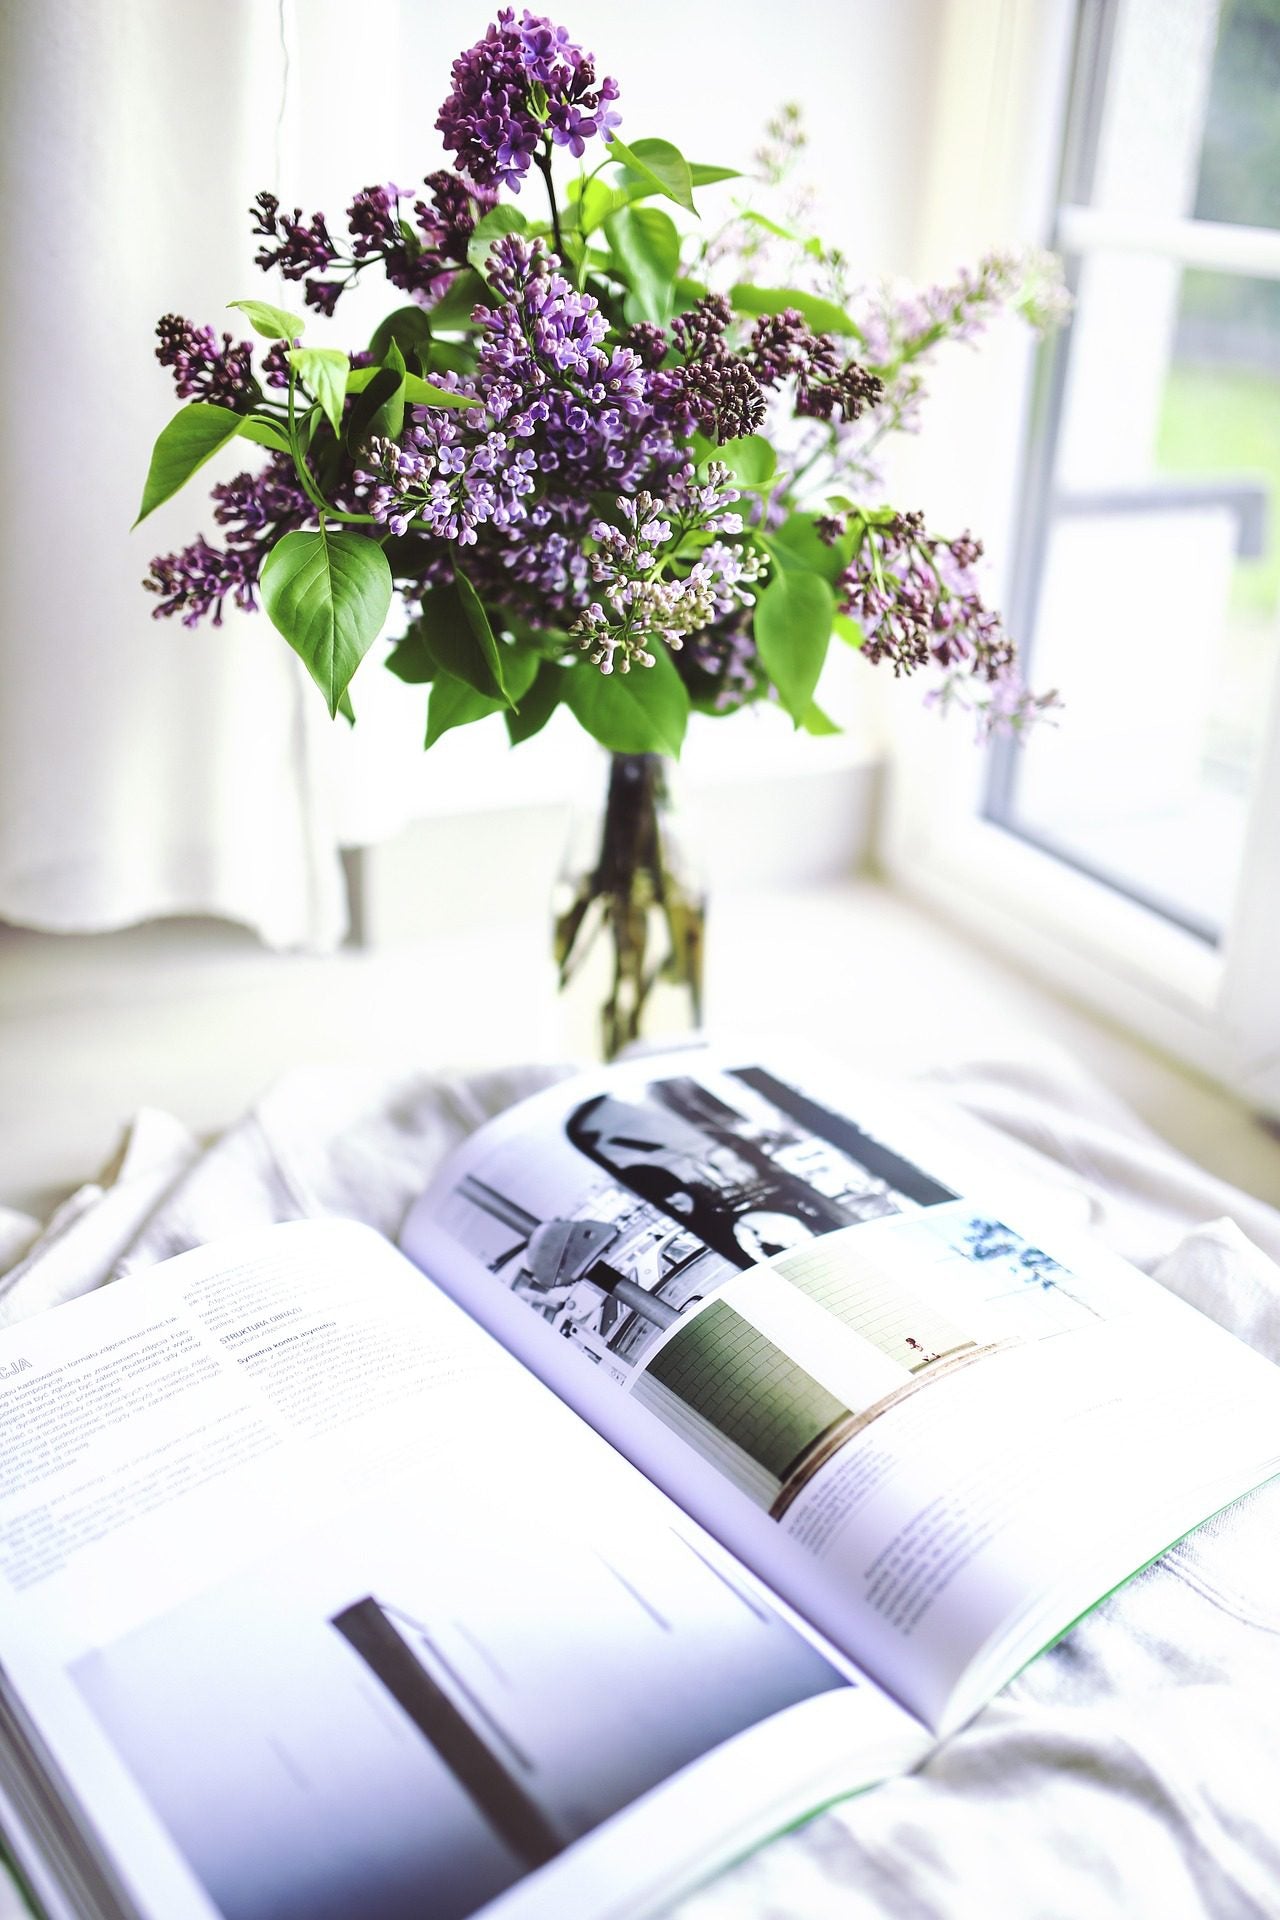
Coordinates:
(712,1453)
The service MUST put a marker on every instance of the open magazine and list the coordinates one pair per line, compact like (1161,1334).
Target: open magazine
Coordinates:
(713,1453)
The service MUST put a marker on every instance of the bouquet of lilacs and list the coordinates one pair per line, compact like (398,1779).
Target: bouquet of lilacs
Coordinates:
(601,456)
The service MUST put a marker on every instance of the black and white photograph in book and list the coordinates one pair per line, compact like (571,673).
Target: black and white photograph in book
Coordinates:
(417,1729)
(752,1166)
(611,1276)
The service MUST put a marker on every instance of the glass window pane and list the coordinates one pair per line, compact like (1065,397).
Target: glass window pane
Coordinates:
(1152,579)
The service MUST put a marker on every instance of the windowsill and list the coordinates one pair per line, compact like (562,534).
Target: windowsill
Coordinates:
(195,1017)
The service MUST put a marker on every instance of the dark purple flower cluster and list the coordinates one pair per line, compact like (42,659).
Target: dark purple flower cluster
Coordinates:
(256,510)
(919,604)
(784,347)
(715,390)
(523,83)
(562,417)
(203,370)
(422,263)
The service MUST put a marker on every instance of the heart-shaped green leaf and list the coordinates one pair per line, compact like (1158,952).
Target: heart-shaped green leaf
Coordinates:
(751,460)
(191,437)
(454,704)
(273,323)
(823,315)
(661,165)
(792,629)
(646,246)
(328,593)
(456,633)
(644,711)
(324,372)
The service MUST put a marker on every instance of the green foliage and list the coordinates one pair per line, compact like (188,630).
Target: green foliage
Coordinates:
(456,633)
(191,437)
(660,166)
(328,593)
(644,711)
(410,330)
(751,460)
(823,315)
(324,372)
(495,223)
(646,246)
(535,706)
(273,323)
(792,629)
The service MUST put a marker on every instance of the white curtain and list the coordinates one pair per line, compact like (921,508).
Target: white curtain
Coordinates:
(146,769)
(149,770)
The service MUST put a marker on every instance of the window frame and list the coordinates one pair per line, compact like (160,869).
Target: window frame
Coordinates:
(1215,1008)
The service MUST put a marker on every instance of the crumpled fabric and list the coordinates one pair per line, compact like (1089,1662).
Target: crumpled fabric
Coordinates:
(1134,1769)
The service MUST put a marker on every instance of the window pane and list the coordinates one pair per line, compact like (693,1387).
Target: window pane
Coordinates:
(1151,589)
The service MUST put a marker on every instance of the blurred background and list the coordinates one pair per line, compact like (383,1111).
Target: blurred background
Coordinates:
(203,881)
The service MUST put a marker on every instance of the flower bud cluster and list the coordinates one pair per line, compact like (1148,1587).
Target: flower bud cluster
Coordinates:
(640,605)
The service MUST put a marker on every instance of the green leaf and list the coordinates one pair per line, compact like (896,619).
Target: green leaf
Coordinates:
(449,356)
(661,164)
(408,327)
(452,312)
(798,546)
(703,176)
(191,437)
(379,410)
(848,629)
(273,323)
(647,248)
(456,633)
(410,661)
(328,594)
(495,223)
(792,629)
(644,711)
(454,704)
(823,315)
(751,460)
(424,393)
(598,201)
(755,219)
(815,721)
(264,433)
(324,372)
(536,705)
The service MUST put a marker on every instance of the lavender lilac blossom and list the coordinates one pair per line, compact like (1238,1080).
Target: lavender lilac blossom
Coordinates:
(562,417)
(918,602)
(638,604)
(524,84)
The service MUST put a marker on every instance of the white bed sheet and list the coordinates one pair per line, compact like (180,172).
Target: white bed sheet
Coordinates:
(1135,1769)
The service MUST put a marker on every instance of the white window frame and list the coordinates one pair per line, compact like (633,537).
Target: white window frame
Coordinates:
(1217,1009)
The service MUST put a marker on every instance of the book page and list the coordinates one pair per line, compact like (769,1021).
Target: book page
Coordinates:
(317,1603)
(854,1372)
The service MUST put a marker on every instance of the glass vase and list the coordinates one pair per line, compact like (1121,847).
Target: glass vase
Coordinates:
(629,915)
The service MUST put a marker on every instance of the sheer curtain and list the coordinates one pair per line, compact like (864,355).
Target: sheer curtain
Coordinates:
(146,770)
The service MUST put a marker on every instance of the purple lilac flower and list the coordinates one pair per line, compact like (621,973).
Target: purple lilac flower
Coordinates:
(562,417)
(784,347)
(720,665)
(422,265)
(202,369)
(255,510)
(302,247)
(638,604)
(919,604)
(492,120)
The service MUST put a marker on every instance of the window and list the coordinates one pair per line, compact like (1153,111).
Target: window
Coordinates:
(1151,574)
(1134,850)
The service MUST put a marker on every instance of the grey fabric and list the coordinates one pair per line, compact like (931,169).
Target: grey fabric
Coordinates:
(1134,1769)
